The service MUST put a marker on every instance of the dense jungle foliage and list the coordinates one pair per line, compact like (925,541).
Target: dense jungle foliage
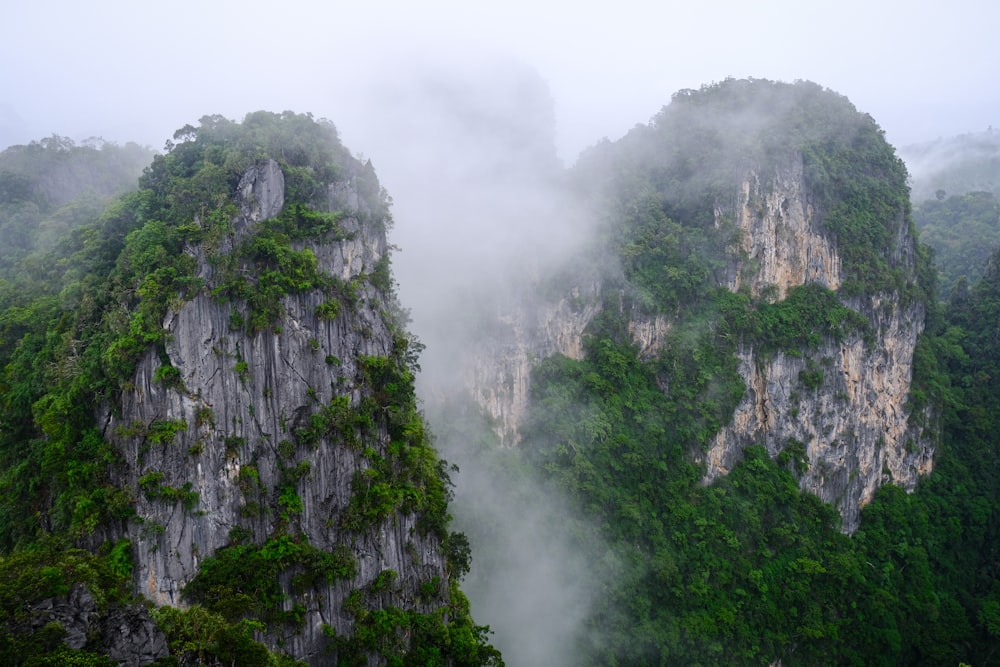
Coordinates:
(749,570)
(954,185)
(50,187)
(83,294)
(964,231)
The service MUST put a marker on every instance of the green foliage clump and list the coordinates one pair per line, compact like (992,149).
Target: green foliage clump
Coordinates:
(163,431)
(169,376)
(265,268)
(328,310)
(338,420)
(672,263)
(299,221)
(243,580)
(408,476)
(197,636)
(153,488)
(860,186)
(808,316)
(407,638)
(603,428)
(381,275)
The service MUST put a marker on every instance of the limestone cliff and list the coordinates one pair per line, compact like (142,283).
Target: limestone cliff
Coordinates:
(781,241)
(220,456)
(841,405)
(498,373)
(844,402)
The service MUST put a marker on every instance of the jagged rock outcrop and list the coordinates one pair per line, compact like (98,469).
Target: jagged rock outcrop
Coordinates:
(130,636)
(209,456)
(850,422)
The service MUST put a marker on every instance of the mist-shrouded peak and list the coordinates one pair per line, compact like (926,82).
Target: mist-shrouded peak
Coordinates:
(748,298)
(705,138)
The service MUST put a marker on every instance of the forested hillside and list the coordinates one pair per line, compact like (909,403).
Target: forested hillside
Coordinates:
(954,185)
(207,401)
(954,165)
(964,231)
(737,426)
(752,568)
(50,187)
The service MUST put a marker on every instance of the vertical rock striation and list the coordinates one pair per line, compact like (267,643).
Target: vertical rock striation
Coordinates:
(843,404)
(782,242)
(850,423)
(500,367)
(209,456)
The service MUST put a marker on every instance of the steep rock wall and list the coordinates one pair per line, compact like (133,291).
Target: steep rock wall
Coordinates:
(845,403)
(243,399)
(782,242)
(500,368)
(841,407)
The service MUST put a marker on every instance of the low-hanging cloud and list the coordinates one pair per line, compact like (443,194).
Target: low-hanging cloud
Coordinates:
(468,154)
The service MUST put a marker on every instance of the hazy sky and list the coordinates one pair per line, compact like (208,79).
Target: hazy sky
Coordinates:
(128,70)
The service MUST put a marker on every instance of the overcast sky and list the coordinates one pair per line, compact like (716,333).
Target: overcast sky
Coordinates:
(128,70)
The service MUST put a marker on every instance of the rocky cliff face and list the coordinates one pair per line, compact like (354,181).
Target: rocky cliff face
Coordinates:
(500,370)
(216,458)
(782,243)
(841,407)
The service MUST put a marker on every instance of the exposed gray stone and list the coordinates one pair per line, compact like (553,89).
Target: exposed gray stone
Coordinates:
(856,426)
(132,638)
(500,369)
(128,634)
(243,395)
(76,612)
(261,193)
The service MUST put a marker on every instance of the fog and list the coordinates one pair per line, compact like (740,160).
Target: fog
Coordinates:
(128,71)
(470,113)
(966,162)
(471,154)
